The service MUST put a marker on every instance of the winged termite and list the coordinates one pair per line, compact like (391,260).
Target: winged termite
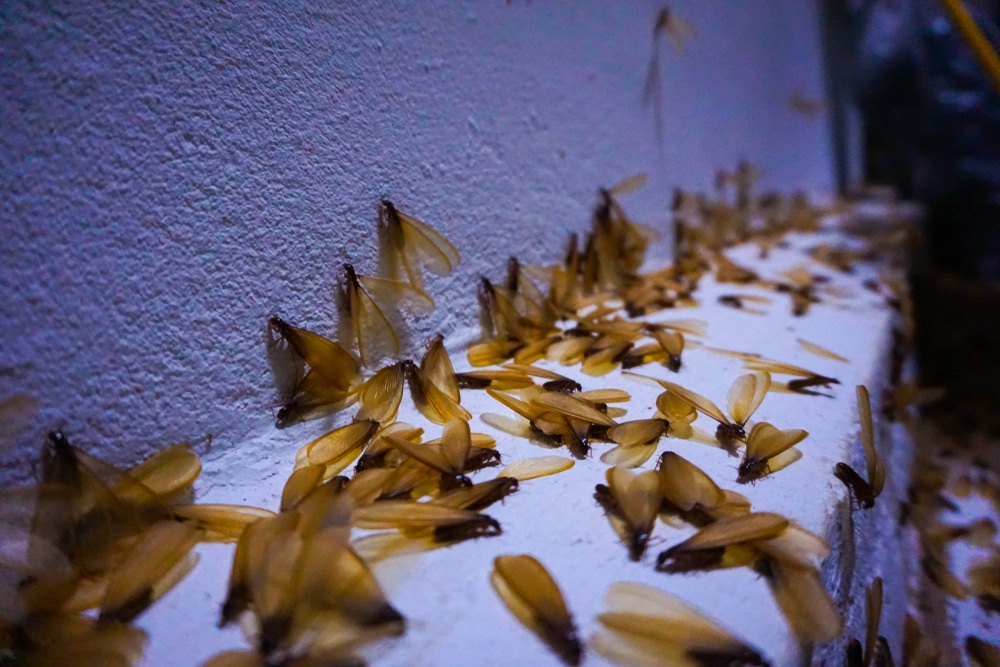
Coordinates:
(478,496)
(334,578)
(337,449)
(571,417)
(450,457)
(570,350)
(380,453)
(631,501)
(646,627)
(152,566)
(380,395)
(539,466)
(727,542)
(413,479)
(533,596)
(433,401)
(807,606)
(604,356)
(864,491)
(801,286)
(480,526)
(528,299)
(508,317)
(740,301)
(666,349)
(982,652)
(744,397)
(96,509)
(636,440)
(67,639)
(264,567)
(688,491)
(331,381)
(501,380)
(866,656)
(572,406)
(369,327)
(409,514)
(553,381)
(413,245)
(616,246)
(805,377)
(679,33)
(768,450)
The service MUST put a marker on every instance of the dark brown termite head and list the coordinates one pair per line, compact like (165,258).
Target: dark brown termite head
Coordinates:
(751,469)
(731,300)
(854,654)
(513,275)
(673,363)
(565,642)
(273,632)
(729,436)
(855,483)
(285,418)
(631,361)
(389,214)
(278,324)
(237,601)
(578,447)
(882,654)
(637,544)
(501,488)
(389,217)
(605,202)
(602,494)
(452,482)
(58,461)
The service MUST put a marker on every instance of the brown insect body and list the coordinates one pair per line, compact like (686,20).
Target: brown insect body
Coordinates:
(672,562)
(802,385)
(863,491)
(482,526)
(637,539)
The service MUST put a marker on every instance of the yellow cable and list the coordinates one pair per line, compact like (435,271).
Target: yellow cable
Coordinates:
(974,36)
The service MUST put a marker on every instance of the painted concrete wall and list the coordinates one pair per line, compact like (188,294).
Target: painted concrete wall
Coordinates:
(173,172)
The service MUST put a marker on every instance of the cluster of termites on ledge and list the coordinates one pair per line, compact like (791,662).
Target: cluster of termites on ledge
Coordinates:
(96,537)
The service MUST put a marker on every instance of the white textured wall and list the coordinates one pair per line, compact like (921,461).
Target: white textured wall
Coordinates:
(174,172)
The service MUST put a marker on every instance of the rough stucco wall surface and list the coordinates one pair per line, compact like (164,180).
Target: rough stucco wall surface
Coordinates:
(173,172)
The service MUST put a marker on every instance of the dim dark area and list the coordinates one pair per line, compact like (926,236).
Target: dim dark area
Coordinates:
(931,117)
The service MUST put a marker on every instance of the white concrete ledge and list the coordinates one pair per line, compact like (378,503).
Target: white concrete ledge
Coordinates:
(454,616)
